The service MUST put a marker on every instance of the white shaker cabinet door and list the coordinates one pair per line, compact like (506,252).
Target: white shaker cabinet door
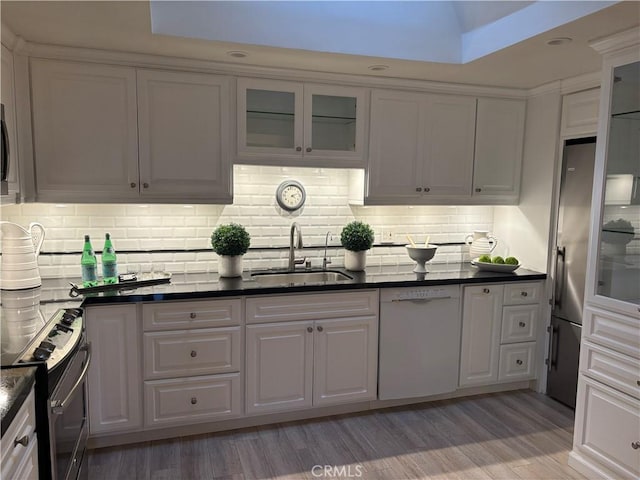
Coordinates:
(345,360)
(481,320)
(499,144)
(84,131)
(7,95)
(115,373)
(279,366)
(183,121)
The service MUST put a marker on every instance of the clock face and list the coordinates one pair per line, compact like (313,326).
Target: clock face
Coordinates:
(290,195)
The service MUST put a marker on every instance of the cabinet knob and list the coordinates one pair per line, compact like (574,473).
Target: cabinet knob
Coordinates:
(519,362)
(133,184)
(309,149)
(635,445)
(192,315)
(298,149)
(194,400)
(309,329)
(194,354)
(486,290)
(524,294)
(427,189)
(478,190)
(522,324)
(320,328)
(24,441)
(638,382)
(145,185)
(418,189)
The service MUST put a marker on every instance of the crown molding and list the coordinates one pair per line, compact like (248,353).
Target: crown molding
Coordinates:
(7,37)
(547,88)
(144,60)
(617,41)
(581,82)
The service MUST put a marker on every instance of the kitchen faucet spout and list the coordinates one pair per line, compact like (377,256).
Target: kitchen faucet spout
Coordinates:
(295,241)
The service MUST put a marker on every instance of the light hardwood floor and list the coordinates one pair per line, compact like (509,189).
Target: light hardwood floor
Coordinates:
(515,435)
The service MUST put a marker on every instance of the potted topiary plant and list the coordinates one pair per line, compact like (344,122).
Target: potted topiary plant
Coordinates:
(230,242)
(356,238)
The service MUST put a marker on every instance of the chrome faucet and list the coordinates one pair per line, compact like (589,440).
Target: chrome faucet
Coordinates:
(295,241)
(325,259)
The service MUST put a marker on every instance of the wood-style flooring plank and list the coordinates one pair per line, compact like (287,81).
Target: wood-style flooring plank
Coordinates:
(515,435)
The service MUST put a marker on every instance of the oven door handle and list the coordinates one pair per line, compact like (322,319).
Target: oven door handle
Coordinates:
(58,406)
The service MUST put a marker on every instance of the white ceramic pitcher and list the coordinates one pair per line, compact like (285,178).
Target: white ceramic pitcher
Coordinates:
(20,248)
(480,243)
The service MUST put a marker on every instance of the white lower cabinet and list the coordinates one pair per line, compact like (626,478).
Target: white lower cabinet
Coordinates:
(19,445)
(608,428)
(115,376)
(300,364)
(499,325)
(193,374)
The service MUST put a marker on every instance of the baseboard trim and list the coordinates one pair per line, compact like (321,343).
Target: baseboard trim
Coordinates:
(588,467)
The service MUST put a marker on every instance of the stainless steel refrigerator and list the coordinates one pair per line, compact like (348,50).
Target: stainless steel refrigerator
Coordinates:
(571,264)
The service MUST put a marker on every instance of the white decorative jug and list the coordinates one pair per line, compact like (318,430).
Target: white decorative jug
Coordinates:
(480,243)
(20,247)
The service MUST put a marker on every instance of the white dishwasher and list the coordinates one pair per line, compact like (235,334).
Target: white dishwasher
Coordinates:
(419,341)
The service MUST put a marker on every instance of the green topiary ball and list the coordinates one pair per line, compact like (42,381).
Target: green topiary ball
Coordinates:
(511,261)
(498,260)
(231,239)
(357,236)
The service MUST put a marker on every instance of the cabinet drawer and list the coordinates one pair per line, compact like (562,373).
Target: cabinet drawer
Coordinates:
(23,425)
(192,400)
(612,330)
(192,352)
(519,323)
(522,293)
(200,314)
(517,361)
(611,368)
(607,426)
(312,306)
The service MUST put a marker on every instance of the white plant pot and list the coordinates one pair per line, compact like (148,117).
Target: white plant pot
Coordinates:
(355,261)
(230,266)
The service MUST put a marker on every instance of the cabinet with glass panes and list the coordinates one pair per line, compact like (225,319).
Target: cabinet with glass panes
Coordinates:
(291,123)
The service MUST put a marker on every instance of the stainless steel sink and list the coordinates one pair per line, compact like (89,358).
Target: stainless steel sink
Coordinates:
(299,278)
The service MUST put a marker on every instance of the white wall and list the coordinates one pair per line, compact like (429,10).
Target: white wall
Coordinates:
(164,227)
(524,229)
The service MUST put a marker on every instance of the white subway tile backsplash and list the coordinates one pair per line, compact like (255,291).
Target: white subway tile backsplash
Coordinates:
(175,227)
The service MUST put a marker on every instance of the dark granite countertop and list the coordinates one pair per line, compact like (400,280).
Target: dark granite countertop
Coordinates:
(15,386)
(207,285)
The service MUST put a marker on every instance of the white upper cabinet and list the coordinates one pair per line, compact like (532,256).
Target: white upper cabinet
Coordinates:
(85,131)
(499,143)
(580,114)
(435,149)
(421,147)
(290,123)
(113,134)
(183,127)
(7,94)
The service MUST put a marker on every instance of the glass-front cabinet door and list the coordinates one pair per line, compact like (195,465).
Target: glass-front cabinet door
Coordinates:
(618,246)
(289,123)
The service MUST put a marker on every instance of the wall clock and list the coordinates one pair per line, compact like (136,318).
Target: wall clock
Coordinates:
(290,195)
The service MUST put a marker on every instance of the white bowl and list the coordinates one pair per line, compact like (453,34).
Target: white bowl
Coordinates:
(494,267)
(421,254)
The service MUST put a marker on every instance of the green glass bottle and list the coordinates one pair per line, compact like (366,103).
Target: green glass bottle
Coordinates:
(89,264)
(109,261)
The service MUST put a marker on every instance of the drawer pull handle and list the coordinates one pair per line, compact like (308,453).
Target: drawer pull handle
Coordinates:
(519,362)
(524,294)
(486,290)
(522,324)
(24,441)
(192,315)
(635,445)
(194,400)
(320,329)
(194,354)
(309,329)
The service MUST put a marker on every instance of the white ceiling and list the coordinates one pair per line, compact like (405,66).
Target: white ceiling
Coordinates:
(126,26)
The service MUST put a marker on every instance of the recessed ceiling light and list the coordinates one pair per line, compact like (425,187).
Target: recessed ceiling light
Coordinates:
(378,68)
(237,53)
(559,41)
